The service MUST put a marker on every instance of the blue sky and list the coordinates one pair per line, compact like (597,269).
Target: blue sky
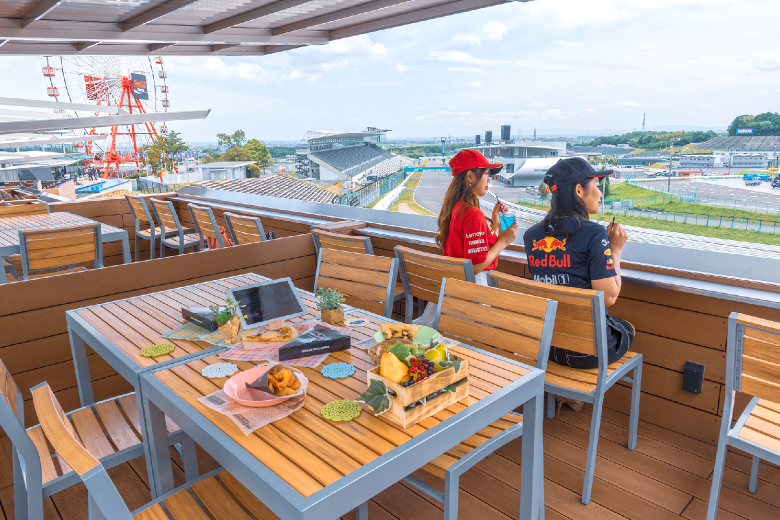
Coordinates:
(573,66)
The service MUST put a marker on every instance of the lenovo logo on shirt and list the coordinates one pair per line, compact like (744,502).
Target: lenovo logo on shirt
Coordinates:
(477,234)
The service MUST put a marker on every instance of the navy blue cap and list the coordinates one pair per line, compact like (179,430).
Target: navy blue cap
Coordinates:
(571,170)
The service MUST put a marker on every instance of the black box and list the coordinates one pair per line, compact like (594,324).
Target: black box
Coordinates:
(317,340)
(693,377)
(200,316)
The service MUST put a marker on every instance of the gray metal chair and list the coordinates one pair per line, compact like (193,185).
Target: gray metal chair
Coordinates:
(366,281)
(116,442)
(422,274)
(143,217)
(751,368)
(508,323)
(246,229)
(169,221)
(212,493)
(581,326)
(206,224)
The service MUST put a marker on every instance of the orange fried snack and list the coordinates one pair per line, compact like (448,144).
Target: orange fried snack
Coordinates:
(283,382)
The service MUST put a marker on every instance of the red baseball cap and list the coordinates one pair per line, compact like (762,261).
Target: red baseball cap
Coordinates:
(467,159)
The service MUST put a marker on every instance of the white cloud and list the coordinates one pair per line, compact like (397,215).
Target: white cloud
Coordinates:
(493,31)
(705,105)
(538,104)
(628,104)
(477,84)
(400,67)
(467,38)
(767,65)
(467,70)
(564,43)
(758,93)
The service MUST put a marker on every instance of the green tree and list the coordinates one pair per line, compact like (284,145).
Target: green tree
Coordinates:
(253,171)
(544,191)
(170,143)
(210,159)
(259,153)
(238,138)
(767,123)
(237,153)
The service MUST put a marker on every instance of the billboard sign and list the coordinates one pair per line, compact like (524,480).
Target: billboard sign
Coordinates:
(744,131)
(139,86)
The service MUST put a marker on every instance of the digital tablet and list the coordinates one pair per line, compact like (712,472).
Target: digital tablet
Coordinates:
(263,302)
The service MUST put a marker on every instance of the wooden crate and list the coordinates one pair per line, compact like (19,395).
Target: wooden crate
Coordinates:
(404,396)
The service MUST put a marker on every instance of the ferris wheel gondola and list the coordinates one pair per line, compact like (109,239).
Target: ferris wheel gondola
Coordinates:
(135,84)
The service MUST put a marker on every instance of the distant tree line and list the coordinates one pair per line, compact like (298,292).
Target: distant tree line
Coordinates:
(653,140)
(421,150)
(241,149)
(767,123)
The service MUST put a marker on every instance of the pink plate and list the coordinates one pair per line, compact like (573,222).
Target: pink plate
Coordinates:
(236,389)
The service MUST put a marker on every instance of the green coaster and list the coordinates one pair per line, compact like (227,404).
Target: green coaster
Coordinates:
(343,410)
(159,349)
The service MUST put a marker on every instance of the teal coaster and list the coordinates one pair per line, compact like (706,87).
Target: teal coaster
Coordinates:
(338,370)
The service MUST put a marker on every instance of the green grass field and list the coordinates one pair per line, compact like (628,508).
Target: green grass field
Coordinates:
(408,197)
(756,237)
(412,184)
(672,204)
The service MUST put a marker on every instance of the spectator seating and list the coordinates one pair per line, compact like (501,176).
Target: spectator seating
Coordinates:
(274,186)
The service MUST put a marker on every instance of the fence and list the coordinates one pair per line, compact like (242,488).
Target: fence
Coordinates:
(368,194)
(146,185)
(692,196)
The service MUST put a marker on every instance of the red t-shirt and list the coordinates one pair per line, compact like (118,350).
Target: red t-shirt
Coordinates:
(470,236)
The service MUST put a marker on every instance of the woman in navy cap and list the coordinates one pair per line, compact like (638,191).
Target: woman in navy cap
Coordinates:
(566,248)
(464,231)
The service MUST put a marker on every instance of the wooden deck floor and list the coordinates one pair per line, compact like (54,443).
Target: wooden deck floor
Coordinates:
(666,477)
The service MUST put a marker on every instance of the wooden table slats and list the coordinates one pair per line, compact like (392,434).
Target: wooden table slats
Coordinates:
(321,451)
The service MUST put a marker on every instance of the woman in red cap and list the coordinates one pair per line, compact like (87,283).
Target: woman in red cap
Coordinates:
(464,231)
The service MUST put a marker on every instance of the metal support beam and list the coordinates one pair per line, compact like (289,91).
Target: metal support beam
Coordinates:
(253,14)
(4,42)
(37,11)
(45,125)
(336,15)
(157,46)
(34,103)
(270,49)
(86,45)
(223,46)
(428,13)
(154,13)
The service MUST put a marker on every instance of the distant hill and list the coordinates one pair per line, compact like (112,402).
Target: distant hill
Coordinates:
(653,140)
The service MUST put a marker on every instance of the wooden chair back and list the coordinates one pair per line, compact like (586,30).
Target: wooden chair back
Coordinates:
(579,314)
(347,243)
(244,229)
(9,391)
(166,216)
(366,281)
(139,210)
(754,345)
(19,202)
(60,432)
(422,273)
(24,210)
(205,223)
(497,320)
(47,248)
(12,422)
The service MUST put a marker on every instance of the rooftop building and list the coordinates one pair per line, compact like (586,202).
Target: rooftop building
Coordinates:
(525,162)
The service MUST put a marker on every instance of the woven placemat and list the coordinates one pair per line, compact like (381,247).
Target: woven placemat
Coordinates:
(338,370)
(159,349)
(341,411)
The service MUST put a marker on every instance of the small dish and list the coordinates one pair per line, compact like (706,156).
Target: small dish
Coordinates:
(236,389)
(423,337)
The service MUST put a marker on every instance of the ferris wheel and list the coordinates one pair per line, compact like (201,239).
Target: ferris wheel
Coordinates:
(137,84)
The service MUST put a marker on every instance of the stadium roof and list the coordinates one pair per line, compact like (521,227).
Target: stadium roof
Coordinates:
(741,143)
(315,135)
(203,27)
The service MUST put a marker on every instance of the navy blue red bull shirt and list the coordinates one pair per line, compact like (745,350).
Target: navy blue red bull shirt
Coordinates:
(572,261)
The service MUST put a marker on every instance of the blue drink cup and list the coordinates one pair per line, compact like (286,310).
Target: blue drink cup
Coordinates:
(507,219)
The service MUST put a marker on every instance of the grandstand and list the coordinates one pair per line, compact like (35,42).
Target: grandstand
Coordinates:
(742,143)
(274,186)
(347,156)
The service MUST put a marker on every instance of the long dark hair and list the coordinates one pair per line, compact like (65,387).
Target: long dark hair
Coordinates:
(566,203)
(459,190)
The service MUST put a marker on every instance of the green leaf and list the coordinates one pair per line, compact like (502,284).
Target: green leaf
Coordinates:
(450,388)
(376,397)
(447,364)
(402,352)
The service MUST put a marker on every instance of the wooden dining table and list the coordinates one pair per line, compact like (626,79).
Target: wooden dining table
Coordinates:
(10,227)
(306,467)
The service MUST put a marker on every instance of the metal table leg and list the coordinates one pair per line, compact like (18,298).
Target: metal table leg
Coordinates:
(361,513)
(126,250)
(79,351)
(158,456)
(532,471)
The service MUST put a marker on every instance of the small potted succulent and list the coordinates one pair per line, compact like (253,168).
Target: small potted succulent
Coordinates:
(227,319)
(330,303)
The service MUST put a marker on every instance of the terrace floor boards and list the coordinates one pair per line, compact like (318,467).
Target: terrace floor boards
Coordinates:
(667,476)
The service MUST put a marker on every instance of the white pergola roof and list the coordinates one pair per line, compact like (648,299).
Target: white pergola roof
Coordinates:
(203,27)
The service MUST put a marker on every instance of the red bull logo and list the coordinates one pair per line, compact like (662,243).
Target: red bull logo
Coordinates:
(549,244)
(608,252)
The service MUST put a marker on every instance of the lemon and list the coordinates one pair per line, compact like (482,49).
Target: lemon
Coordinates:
(437,354)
